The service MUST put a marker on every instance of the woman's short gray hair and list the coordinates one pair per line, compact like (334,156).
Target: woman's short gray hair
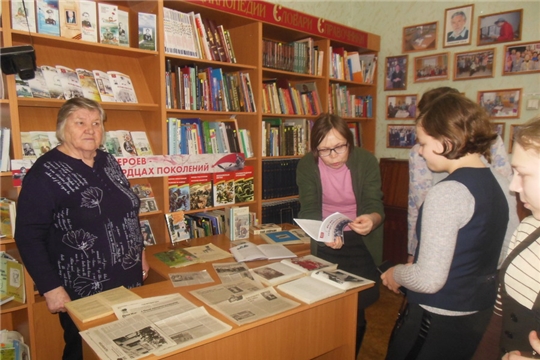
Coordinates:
(73,105)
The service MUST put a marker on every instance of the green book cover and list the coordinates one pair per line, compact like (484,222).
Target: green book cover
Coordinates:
(177,257)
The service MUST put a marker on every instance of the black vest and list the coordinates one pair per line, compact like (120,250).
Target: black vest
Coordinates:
(472,280)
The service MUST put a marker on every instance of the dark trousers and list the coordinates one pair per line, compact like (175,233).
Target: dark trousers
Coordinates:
(72,339)
(355,258)
(426,336)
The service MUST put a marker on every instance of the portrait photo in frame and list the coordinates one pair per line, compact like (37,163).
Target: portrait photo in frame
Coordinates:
(420,37)
(501,104)
(396,72)
(401,107)
(474,64)
(401,136)
(521,58)
(499,128)
(431,67)
(500,27)
(458,22)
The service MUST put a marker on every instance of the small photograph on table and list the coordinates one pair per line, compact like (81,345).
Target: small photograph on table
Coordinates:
(474,64)
(521,58)
(401,136)
(420,37)
(401,107)
(501,104)
(396,72)
(431,67)
(500,27)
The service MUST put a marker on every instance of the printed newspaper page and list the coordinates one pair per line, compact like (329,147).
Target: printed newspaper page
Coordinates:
(233,271)
(155,308)
(327,230)
(190,278)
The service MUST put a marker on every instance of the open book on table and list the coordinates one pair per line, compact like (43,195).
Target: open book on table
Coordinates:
(322,284)
(327,230)
(247,251)
(99,305)
(290,269)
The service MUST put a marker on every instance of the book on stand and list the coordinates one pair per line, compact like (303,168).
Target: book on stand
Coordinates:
(88,84)
(5,141)
(89,23)
(239,223)
(148,234)
(248,251)
(147,31)
(23,15)
(70,22)
(8,214)
(38,85)
(99,305)
(108,24)
(141,142)
(48,20)
(52,79)
(123,28)
(176,226)
(200,191)
(327,230)
(223,188)
(70,82)
(244,188)
(12,278)
(122,87)
(103,84)
(179,197)
(22,87)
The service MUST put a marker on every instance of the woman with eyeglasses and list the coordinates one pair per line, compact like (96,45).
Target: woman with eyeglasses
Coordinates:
(334,177)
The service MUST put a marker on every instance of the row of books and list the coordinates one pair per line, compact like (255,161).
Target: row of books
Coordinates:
(201,191)
(279,178)
(341,102)
(192,136)
(190,34)
(82,20)
(279,212)
(285,137)
(280,97)
(301,56)
(5,142)
(352,66)
(61,82)
(211,89)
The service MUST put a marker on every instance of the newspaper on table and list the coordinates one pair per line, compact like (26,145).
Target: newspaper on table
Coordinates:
(156,325)
(233,271)
(244,301)
(209,252)
(190,278)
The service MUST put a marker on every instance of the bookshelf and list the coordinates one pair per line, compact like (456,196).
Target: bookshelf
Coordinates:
(249,23)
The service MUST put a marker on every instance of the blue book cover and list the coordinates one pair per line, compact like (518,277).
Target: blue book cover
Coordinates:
(282,237)
(48,21)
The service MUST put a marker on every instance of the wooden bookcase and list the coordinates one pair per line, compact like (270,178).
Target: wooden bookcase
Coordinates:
(249,22)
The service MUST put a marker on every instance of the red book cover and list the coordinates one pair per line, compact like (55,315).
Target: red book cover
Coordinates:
(223,188)
(200,191)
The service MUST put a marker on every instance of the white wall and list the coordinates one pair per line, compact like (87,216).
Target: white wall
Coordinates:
(387,19)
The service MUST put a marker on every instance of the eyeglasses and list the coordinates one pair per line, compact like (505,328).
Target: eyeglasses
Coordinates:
(340,149)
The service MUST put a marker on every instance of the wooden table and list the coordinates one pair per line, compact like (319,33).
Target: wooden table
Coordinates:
(324,330)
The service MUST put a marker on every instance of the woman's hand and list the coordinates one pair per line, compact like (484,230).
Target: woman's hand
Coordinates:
(365,223)
(388,280)
(145,266)
(516,355)
(56,298)
(336,244)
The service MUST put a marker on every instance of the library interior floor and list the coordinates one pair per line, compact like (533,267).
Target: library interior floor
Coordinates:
(380,318)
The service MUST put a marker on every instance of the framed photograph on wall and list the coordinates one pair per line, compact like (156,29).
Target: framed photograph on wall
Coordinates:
(401,107)
(458,25)
(420,37)
(500,27)
(501,104)
(474,64)
(401,136)
(521,58)
(513,129)
(396,72)
(431,67)
(499,128)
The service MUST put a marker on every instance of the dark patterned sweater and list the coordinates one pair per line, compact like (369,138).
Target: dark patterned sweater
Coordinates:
(78,226)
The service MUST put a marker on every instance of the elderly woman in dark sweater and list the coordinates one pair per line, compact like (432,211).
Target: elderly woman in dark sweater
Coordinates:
(79,233)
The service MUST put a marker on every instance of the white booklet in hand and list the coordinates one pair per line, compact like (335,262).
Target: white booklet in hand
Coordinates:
(327,230)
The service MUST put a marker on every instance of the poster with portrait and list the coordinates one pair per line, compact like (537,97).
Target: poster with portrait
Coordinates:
(458,26)
(396,72)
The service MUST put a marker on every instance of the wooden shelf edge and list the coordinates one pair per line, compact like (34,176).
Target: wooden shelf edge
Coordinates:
(264,201)
(55,103)
(12,306)
(213,63)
